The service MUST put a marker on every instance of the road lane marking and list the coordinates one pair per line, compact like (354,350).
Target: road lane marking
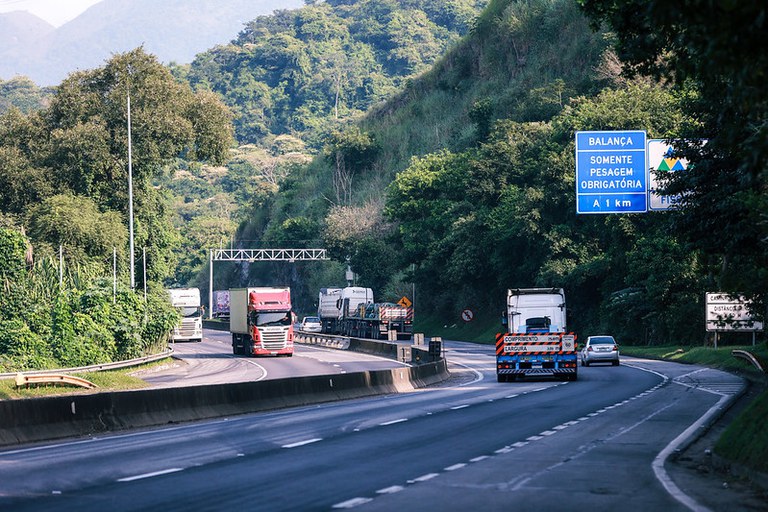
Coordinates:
(150,475)
(423,478)
(390,490)
(456,408)
(455,467)
(302,443)
(478,459)
(354,502)
(392,422)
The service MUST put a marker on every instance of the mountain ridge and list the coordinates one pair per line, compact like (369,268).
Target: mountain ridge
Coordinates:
(173,30)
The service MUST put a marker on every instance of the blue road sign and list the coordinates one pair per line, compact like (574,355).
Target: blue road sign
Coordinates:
(611,172)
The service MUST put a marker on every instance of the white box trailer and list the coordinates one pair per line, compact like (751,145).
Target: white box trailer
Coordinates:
(334,305)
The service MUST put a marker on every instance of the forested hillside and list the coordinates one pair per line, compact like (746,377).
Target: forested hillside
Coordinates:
(480,148)
(65,197)
(428,144)
(301,72)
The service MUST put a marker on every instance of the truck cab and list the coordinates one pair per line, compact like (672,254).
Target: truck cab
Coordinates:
(187,303)
(261,321)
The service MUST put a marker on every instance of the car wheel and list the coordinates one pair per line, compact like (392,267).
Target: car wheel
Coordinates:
(615,363)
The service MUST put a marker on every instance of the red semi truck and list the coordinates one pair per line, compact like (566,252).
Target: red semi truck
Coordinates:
(261,321)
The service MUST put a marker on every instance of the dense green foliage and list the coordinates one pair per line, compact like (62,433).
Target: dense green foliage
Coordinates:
(503,215)
(484,200)
(63,169)
(63,176)
(720,50)
(444,159)
(80,321)
(300,72)
(23,94)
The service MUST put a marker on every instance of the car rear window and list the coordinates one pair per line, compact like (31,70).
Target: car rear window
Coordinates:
(601,340)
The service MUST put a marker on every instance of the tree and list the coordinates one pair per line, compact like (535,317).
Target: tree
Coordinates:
(350,152)
(75,223)
(719,50)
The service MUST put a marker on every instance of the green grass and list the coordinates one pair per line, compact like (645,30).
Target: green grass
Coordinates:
(114,380)
(482,328)
(720,357)
(745,440)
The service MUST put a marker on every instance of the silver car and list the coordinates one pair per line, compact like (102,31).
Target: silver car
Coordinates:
(311,324)
(600,349)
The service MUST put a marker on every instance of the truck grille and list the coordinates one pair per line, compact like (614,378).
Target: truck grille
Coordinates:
(187,327)
(274,340)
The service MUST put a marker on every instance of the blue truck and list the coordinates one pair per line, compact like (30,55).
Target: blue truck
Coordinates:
(536,342)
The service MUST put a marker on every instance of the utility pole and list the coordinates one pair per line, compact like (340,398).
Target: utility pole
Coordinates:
(130,191)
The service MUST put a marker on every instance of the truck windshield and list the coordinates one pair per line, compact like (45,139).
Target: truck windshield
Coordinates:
(189,311)
(273,318)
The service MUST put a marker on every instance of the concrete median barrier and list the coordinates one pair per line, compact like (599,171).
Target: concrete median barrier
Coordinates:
(41,419)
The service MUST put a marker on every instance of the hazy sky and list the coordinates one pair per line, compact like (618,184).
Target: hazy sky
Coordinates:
(55,12)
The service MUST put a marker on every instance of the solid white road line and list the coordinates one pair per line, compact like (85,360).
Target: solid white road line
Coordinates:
(302,443)
(149,475)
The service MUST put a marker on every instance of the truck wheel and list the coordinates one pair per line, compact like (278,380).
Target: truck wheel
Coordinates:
(501,378)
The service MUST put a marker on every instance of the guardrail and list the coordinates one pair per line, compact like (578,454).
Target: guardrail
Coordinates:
(53,378)
(96,367)
(743,354)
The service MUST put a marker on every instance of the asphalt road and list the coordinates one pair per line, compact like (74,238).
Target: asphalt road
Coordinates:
(212,362)
(599,443)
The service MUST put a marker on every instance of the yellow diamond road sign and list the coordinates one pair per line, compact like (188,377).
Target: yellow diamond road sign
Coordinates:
(404,302)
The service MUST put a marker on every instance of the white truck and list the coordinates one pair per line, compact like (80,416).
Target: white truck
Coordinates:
(536,342)
(334,305)
(187,303)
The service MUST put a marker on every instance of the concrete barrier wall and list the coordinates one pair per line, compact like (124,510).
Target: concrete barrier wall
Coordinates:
(39,419)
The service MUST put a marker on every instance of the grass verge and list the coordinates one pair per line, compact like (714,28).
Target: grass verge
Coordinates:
(113,380)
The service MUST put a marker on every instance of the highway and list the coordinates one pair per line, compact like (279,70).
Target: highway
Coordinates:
(468,444)
(212,362)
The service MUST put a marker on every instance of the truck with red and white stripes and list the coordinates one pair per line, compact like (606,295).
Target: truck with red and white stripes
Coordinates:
(536,342)
(261,321)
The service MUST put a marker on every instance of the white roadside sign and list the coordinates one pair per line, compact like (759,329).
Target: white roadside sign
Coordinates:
(730,313)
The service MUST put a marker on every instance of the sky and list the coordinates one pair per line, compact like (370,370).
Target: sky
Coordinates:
(55,12)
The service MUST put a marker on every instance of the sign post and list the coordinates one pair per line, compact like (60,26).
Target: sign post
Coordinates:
(611,172)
